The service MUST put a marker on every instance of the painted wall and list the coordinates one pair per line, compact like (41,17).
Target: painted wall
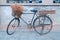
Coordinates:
(55,17)
(6,17)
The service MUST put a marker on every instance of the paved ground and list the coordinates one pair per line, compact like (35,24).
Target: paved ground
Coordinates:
(29,35)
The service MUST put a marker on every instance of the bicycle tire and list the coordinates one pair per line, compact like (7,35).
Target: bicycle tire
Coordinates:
(42,28)
(18,22)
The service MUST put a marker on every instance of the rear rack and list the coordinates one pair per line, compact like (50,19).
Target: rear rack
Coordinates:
(44,12)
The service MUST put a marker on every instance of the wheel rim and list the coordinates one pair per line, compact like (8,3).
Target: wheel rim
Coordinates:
(12,26)
(40,28)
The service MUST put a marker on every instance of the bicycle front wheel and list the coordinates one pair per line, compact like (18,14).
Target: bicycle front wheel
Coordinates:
(42,25)
(14,23)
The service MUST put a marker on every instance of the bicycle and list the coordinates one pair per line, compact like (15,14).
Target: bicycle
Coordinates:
(39,21)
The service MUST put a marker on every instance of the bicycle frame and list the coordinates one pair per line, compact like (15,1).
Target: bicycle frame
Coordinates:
(31,19)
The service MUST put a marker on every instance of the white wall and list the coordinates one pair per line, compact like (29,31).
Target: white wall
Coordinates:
(6,16)
(55,17)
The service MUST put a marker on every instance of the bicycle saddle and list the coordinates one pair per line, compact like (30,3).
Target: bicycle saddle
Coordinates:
(34,10)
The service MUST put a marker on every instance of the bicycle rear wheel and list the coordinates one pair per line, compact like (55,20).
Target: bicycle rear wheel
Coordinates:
(14,23)
(42,25)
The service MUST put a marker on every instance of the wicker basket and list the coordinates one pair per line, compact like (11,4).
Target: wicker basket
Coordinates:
(17,9)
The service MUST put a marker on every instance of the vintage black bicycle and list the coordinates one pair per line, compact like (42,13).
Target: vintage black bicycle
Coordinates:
(42,24)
